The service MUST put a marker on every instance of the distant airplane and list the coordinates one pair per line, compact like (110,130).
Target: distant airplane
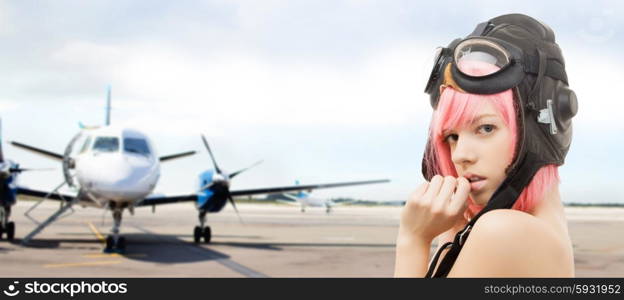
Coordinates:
(117,168)
(303,199)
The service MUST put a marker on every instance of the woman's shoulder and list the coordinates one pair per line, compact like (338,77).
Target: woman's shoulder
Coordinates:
(510,243)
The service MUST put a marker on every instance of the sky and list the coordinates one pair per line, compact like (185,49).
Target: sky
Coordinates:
(321,91)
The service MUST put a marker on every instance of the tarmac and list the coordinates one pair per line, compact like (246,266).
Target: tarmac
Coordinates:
(272,241)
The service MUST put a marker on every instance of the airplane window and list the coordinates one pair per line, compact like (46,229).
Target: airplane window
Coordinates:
(133,145)
(106,144)
(86,145)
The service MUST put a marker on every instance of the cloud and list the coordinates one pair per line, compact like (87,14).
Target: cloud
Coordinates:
(244,89)
(7,105)
(81,53)
(592,80)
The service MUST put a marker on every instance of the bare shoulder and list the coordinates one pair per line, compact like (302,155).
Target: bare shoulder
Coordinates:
(510,243)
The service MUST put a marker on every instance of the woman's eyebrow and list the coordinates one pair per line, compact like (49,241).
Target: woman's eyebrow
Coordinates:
(475,120)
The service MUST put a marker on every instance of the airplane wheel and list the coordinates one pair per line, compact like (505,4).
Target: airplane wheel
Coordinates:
(10,231)
(110,243)
(1,231)
(197,234)
(121,243)
(207,234)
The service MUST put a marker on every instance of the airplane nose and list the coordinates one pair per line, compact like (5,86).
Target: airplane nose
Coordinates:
(116,175)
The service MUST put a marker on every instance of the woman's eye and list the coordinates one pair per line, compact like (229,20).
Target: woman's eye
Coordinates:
(487,128)
(451,138)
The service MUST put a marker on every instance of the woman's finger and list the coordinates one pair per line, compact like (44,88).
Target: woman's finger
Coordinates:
(419,192)
(434,187)
(459,201)
(446,191)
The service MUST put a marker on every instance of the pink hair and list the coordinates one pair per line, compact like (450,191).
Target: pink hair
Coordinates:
(456,110)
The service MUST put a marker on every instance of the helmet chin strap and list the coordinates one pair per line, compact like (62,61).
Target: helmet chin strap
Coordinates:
(503,198)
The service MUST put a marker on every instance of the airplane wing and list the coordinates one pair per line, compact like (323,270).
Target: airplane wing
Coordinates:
(40,151)
(291,188)
(42,194)
(177,155)
(162,199)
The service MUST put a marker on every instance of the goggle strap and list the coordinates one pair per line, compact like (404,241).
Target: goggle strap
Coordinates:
(554,69)
(540,73)
(482,29)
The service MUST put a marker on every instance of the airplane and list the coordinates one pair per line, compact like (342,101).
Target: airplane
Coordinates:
(117,169)
(9,171)
(8,176)
(303,199)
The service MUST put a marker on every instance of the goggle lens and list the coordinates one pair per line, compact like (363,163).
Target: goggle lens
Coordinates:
(478,57)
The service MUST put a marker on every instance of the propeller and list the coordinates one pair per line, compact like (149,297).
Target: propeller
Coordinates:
(12,167)
(17,169)
(214,162)
(209,184)
(245,169)
(234,206)
(68,161)
(220,172)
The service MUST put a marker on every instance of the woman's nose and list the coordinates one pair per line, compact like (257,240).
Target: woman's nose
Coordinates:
(463,152)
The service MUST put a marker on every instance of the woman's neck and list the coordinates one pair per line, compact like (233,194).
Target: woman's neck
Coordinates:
(550,209)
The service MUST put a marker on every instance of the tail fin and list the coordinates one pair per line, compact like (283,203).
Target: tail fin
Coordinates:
(108,105)
(300,194)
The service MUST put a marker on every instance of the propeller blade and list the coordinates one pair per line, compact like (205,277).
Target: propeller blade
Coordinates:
(214,162)
(245,169)
(209,184)
(19,170)
(235,209)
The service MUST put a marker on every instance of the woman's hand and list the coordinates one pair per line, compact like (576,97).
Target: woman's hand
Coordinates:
(434,208)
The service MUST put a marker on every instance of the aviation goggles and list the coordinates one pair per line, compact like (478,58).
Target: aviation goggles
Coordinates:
(508,64)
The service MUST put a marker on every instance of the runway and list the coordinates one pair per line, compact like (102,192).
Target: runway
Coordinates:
(272,241)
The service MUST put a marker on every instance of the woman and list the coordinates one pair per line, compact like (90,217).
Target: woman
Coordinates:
(501,127)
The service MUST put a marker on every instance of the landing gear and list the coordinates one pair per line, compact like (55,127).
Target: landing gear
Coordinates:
(115,246)
(10,231)
(6,226)
(200,231)
(114,242)
(110,244)
(197,234)
(207,234)
(121,243)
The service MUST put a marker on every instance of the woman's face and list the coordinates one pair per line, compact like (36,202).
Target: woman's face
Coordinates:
(481,151)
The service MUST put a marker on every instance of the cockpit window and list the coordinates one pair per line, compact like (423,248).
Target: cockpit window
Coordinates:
(106,144)
(134,145)
(86,145)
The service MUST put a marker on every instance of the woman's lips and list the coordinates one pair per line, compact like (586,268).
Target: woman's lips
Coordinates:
(476,185)
(476,181)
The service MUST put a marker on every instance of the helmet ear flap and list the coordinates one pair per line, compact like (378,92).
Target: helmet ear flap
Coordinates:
(567,104)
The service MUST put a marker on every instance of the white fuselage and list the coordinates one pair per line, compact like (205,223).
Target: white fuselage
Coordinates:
(118,165)
(308,201)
